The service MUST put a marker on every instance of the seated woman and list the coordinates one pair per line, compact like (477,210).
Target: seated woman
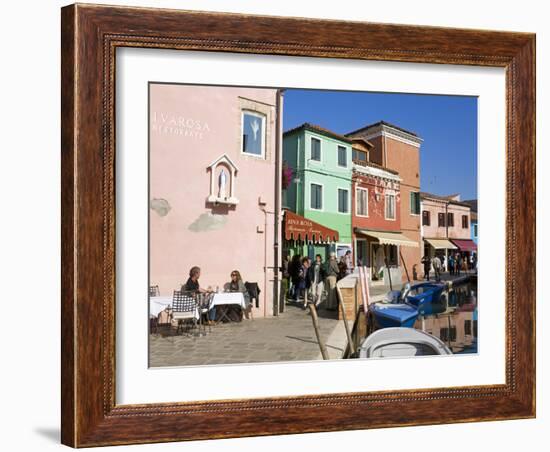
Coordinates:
(237,285)
(192,286)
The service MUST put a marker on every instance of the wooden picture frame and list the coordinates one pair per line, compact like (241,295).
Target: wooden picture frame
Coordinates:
(90,36)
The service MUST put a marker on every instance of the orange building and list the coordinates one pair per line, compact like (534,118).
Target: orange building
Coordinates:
(397,150)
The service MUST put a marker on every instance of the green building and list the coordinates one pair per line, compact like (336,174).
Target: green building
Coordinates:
(320,189)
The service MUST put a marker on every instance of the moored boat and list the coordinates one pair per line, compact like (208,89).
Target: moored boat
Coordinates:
(427,297)
(387,315)
(402,308)
(401,342)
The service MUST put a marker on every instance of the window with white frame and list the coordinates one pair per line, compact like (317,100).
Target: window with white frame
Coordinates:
(343,200)
(315,149)
(342,156)
(362,202)
(316,197)
(390,207)
(253,133)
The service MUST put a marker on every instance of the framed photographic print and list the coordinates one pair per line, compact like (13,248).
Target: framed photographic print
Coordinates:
(262,226)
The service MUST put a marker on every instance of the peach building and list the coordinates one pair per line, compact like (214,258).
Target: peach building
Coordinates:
(214,184)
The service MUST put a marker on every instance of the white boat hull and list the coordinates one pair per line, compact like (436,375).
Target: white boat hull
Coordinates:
(401,342)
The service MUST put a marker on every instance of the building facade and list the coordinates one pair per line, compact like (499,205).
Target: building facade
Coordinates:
(376,220)
(473,219)
(445,225)
(321,162)
(398,150)
(214,196)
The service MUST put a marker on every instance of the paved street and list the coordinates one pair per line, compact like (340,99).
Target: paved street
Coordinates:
(289,337)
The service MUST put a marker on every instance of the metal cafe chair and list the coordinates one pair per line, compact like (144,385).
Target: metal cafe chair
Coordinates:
(153,321)
(154,291)
(184,308)
(203,303)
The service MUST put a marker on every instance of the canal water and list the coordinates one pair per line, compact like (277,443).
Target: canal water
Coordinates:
(455,322)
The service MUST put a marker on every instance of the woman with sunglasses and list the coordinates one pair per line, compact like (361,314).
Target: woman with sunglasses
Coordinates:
(237,285)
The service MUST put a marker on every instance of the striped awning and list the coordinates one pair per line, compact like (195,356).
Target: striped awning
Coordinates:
(441,244)
(388,238)
(297,227)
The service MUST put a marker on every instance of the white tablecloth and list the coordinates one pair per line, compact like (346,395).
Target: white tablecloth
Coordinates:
(228,298)
(159,304)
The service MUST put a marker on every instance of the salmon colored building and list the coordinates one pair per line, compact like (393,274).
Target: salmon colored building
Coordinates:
(215,170)
(397,150)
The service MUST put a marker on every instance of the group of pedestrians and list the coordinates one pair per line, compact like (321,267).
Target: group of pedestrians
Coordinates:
(310,280)
(456,263)
(429,262)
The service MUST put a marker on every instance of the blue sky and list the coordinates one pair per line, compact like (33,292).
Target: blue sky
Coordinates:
(447,124)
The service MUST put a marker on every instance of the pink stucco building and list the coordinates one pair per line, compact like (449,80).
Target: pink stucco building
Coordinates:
(445,224)
(214,172)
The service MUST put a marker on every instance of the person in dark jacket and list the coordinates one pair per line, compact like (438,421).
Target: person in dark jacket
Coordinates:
(296,276)
(451,264)
(427,262)
(192,286)
(458,264)
(306,264)
(286,276)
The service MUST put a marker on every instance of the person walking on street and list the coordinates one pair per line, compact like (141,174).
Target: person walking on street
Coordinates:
(465,264)
(286,276)
(342,268)
(306,263)
(294,270)
(458,264)
(349,262)
(332,275)
(451,264)
(427,262)
(437,267)
(317,275)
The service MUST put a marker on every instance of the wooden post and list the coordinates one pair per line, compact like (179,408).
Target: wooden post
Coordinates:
(315,321)
(346,325)
(449,336)
(387,267)
(404,266)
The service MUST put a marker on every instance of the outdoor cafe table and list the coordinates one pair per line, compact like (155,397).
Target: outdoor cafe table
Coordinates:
(227,298)
(159,304)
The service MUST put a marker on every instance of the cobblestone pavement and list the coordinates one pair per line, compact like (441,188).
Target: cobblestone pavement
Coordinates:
(288,337)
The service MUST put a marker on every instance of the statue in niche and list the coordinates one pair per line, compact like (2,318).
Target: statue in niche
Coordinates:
(222,182)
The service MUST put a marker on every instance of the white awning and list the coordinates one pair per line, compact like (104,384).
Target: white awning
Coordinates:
(441,244)
(388,238)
